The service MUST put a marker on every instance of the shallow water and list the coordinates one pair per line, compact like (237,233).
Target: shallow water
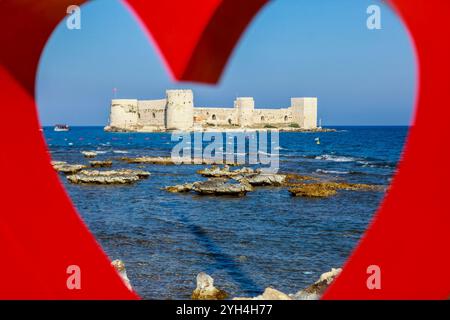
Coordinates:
(267,238)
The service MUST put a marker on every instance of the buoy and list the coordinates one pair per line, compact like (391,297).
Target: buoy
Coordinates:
(317,140)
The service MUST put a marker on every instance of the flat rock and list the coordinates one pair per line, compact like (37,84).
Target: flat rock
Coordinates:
(294,179)
(67,168)
(89,154)
(180,188)
(109,173)
(205,289)
(268,294)
(213,186)
(224,172)
(100,164)
(150,160)
(121,176)
(222,187)
(326,189)
(90,179)
(176,160)
(58,163)
(263,179)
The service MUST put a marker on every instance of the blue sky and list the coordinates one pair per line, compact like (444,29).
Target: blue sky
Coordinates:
(293,48)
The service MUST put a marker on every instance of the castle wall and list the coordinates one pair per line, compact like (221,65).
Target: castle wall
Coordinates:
(245,107)
(304,112)
(215,116)
(152,113)
(177,112)
(272,116)
(179,109)
(124,113)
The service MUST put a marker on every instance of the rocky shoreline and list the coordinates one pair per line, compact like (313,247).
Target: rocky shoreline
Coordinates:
(238,182)
(205,289)
(221,180)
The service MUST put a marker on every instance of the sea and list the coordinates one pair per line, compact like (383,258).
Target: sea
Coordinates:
(266,238)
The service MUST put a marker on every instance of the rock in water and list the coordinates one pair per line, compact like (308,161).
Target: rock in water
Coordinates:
(179,188)
(122,176)
(224,172)
(316,290)
(329,276)
(269,294)
(120,268)
(89,154)
(215,186)
(313,190)
(205,289)
(100,164)
(106,173)
(263,179)
(222,187)
(176,160)
(150,160)
(326,189)
(313,292)
(67,168)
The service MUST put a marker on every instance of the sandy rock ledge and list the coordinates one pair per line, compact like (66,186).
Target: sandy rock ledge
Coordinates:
(121,176)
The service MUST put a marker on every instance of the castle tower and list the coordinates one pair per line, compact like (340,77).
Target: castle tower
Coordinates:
(245,107)
(179,109)
(304,112)
(124,113)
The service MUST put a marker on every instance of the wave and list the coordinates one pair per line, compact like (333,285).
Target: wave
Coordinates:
(368,164)
(330,157)
(120,151)
(332,171)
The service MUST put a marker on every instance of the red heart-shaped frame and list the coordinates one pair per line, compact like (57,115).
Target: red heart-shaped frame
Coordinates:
(41,233)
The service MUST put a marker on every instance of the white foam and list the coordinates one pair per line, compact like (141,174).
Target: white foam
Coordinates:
(332,171)
(330,157)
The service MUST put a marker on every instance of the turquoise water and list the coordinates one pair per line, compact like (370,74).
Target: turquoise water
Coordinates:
(267,238)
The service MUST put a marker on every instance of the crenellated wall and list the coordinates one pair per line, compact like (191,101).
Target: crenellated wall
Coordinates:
(177,112)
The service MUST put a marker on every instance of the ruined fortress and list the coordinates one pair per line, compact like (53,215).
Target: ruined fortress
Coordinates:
(177,112)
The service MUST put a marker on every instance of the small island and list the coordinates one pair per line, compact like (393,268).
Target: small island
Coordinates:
(177,112)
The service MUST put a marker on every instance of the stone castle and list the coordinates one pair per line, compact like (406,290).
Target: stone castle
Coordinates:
(177,112)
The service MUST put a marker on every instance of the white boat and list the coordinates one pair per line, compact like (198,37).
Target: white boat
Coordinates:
(61,127)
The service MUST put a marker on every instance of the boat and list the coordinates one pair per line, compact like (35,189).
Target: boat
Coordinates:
(61,127)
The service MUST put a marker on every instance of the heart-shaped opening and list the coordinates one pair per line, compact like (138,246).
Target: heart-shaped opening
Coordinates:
(365,83)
